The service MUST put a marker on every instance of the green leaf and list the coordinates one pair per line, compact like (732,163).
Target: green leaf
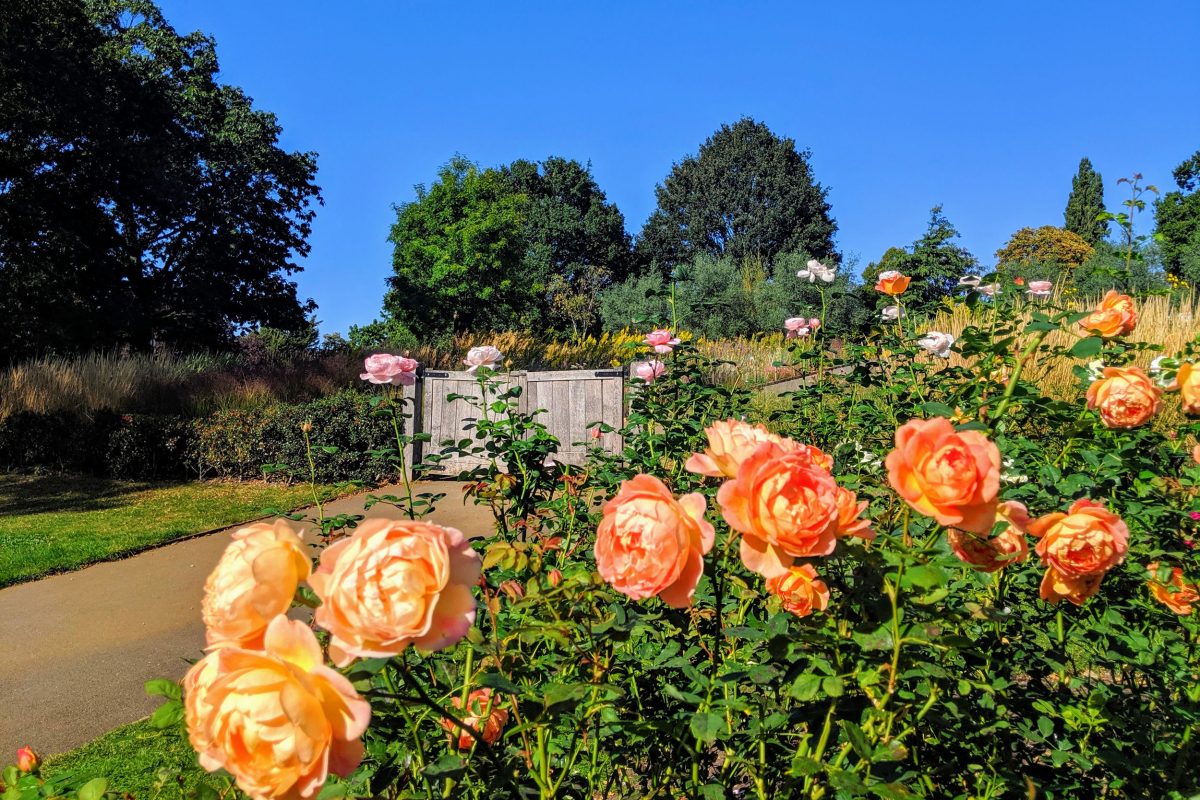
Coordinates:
(706,726)
(858,739)
(448,766)
(806,687)
(161,687)
(1087,348)
(833,686)
(495,680)
(933,409)
(925,576)
(93,789)
(168,715)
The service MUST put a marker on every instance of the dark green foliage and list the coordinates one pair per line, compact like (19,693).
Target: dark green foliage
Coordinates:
(142,202)
(575,240)
(498,249)
(748,192)
(1178,219)
(934,262)
(1085,204)
(458,252)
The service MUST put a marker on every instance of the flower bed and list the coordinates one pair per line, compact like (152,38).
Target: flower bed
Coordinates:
(928,578)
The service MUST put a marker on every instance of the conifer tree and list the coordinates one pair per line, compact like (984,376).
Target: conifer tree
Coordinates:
(1085,203)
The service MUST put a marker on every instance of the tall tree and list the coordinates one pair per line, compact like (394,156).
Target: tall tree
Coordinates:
(746,193)
(459,253)
(142,202)
(1177,215)
(1045,246)
(1085,204)
(575,240)
(934,262)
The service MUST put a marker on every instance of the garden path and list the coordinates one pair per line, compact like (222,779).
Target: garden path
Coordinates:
(76,648)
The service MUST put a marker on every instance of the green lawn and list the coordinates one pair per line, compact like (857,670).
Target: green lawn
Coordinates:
(137,759)
(53,523)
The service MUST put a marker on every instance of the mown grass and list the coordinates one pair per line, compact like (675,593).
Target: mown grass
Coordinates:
(53,524)
(136,759)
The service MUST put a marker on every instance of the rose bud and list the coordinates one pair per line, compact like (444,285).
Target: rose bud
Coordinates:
(27,760)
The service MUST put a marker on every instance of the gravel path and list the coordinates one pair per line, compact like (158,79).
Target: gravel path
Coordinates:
(75,649)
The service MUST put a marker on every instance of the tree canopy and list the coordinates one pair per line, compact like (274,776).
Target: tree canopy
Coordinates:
(142,202)
(524,245)
(748,192)
(1085,204)
(1046,245)
(1177,215)
(934,262)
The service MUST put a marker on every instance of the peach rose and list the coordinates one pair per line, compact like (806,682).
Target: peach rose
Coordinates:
(1187,381)
(482,707)
(279,721)
(1196,454)
(394,583)
(27,759)
(649,543)
(254,581)
(1115,316)
(384,368)
(892,283)
(785,505)
(1125,397)
(850,521)
(1078,547)
(950,476)
(800,589)
(1176,595)
(729,443)
(990,553)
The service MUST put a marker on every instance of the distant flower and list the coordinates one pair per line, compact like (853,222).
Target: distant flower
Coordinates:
(1009,475)
(485,356)
(1040,289)
(892,283)
(799,327)
(892,313)
(815,270)
(661,340)
(937,343)
(987,289)
(1195,515)
(969,281)
(1095,370)
(383,368)
(649,370)
(1019,281)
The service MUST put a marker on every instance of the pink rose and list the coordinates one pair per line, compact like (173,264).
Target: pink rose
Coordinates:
(649,370)
(799,327)
(486,356)
(1040,289)
(661,340)
(27,760)
(384,368)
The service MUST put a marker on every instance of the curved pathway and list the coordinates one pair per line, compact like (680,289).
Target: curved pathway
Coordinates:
(76,648)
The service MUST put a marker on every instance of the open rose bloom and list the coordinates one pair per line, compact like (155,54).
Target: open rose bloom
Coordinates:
(254,582)
(278,720)
(786,506)
(937,343)
(799,327)
(1125,397)
(483,714)
(485,356)
(950,476)
(892,283)
(382,368)
(1175,593)
(661,341)
(1078,548)
(800,591)
(1187,382)
(730,442)
(650,544)
(990,553)
(816,271)
(650,370)
(1114,316)
(392,584)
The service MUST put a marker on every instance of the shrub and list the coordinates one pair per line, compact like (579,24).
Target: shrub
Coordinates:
(948,584)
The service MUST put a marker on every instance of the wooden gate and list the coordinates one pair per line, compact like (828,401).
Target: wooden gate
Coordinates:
(569,402)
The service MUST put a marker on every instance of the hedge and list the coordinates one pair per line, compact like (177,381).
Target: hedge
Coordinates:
(234,444)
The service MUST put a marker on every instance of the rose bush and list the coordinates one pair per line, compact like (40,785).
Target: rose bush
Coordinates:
(857,594)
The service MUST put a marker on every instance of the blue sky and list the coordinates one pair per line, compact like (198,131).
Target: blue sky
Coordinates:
(983,107)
